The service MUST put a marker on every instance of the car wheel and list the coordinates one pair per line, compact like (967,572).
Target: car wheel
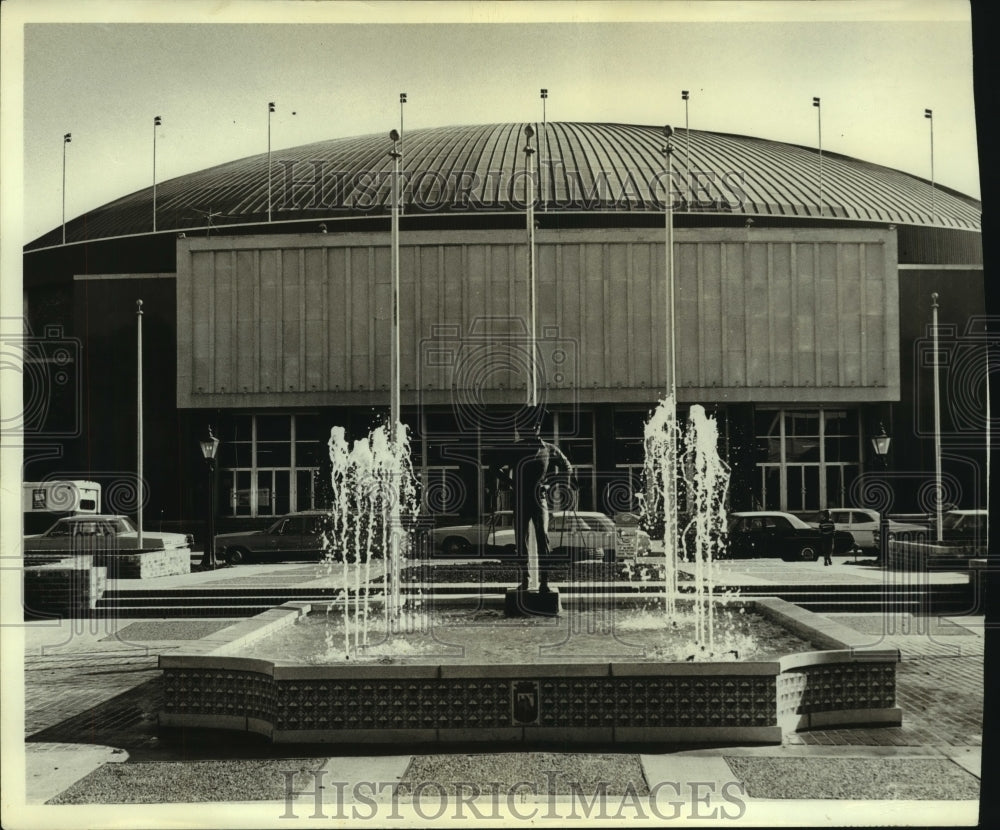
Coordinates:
(236,556)
(455,546)
(808,553)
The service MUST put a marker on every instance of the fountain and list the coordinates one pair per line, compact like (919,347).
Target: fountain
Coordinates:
(432,669)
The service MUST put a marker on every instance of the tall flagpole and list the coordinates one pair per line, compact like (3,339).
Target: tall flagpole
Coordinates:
(270,110)
(156,123)
(929,115)
(67,138)
(529,198)
(542,141)
(819,128)
(138,385)
(937,423)
(402,101)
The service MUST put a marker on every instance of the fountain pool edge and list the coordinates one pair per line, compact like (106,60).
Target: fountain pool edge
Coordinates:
(210,685)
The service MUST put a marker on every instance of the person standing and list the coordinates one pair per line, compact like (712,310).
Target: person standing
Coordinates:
(827,530)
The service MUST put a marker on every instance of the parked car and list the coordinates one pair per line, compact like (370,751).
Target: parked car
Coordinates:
(106,530)
(295,536)
(573,534)
(964,527)
(773,533)
(865,526)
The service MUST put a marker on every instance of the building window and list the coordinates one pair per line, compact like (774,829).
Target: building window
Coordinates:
(807,458)
(269,463)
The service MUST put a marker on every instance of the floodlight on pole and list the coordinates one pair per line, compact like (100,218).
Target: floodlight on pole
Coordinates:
(157,121)
(687,142)
(819,129)
(394,403)
(929,115)
(402,169)
(138,386)
(67,138)
(542,141)
(270,111)
(938,483)
(529,200)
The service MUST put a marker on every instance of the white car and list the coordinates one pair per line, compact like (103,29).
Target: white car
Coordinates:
(865,526)
(573,534)
(89,530)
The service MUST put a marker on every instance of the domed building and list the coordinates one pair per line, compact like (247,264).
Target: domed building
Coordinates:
(802,291)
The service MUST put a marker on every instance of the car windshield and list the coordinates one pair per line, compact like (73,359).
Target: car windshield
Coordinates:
(123,525)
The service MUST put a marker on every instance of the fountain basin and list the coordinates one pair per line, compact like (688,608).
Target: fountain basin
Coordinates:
(212,685)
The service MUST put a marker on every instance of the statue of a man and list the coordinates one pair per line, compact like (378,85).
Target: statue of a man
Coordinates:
(531,466)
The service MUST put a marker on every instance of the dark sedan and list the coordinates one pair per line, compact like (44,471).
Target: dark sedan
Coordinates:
(772,533)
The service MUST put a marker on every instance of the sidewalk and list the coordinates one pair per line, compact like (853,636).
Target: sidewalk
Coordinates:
(92,692)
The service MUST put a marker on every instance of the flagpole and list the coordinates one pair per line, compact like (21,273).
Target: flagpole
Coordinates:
(687,144)
(402,101)
(139,470)
(937,423)
(541,153)
(929,115)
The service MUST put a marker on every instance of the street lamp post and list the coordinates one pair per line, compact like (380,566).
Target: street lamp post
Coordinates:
(938,484)
(209,447)
(880,443)
(394,405)
(668,152)
(67,138)
(402,169)
(929,115)
(138,408)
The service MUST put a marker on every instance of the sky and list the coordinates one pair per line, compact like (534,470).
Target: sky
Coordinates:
(336,69)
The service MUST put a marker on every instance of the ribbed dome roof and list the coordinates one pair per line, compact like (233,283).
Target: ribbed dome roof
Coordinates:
(477,169)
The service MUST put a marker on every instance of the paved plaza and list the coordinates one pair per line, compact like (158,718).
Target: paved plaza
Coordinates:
(93,690)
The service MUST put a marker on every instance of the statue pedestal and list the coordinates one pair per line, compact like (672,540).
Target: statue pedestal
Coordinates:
(533,603)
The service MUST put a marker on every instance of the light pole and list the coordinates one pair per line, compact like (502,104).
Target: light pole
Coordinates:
(402,101)
(880,444)
(138,385)
(544,93)
(819,129)
(209,447)
(529,199)
(929,115)
(668,152)
(397,157)
(939,497)
(156,123)
(67,138)
(687,143)
(270,111)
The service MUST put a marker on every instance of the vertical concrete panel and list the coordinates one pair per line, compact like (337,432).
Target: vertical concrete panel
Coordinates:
(361,310)
(222,340)
(805,313)
(592,317)
(291,321)
(337,316)
(616,319)
(758,305)
(686,300)
(568,297)
(203,294)
(269,316)
(710,314)
(247,307)
(781,345)
(850,296)
(735,313)
(640,329)
(316,355)
(827,319)
(874,309)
